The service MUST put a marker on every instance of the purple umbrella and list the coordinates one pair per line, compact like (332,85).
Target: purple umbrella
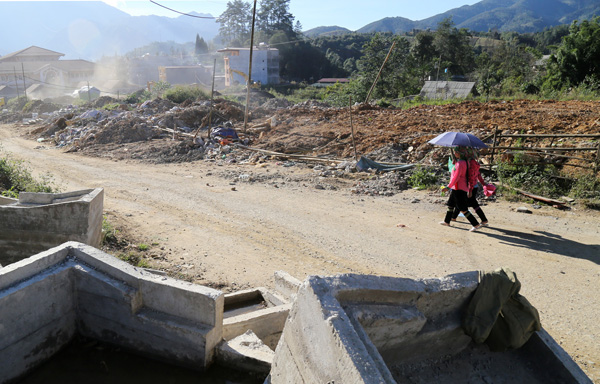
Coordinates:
(457,139)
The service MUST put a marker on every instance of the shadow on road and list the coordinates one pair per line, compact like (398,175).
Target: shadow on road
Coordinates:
(546,242)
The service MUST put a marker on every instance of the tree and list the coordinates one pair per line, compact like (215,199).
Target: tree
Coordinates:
(274,16)
(577,58)
(201,47)
(424,54)
(397,77)
(235,22)
(453,47)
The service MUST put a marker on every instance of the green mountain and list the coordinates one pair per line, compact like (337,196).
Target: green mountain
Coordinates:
(326,31)
(503,15)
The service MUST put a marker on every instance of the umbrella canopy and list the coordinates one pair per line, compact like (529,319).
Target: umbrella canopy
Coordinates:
(457,139)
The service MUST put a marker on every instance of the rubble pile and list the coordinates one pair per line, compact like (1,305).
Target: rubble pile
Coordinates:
(385,184)
(161,131)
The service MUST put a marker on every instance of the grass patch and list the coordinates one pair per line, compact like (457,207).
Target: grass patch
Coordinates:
(134,259)
(181,93)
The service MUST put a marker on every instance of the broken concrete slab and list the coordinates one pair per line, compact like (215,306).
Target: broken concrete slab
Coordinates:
(75,289)
(246,352)
(259,310)
(370,329)
(39,221)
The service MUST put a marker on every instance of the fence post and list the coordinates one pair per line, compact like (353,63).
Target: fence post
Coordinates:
(597,165)
(493,147)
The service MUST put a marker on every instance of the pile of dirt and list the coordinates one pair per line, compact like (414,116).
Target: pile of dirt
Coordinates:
(39,106)
(314,128)
(126,130)
(328,131)
(101,102)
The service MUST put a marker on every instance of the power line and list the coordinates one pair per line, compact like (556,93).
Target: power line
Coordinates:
(182,13)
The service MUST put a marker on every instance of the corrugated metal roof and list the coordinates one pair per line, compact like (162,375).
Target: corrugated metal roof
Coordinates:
(446,89)
(32,51)
(36,66)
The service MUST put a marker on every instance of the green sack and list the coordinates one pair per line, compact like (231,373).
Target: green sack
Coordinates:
(498,315)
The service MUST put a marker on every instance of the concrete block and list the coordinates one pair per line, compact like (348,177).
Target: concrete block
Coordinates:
(286,285)
(387,325)
(245,352)
(266,323)
(39,221)
(319,343)
(48,297)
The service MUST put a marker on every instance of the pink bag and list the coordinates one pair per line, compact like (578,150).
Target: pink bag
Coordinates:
(489,190)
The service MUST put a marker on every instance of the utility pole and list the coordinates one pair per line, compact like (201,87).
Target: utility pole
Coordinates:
(24,87)
(249,82)
(212,98)
(437,76)
(16,83)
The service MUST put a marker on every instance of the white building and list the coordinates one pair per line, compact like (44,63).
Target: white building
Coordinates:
(265,64)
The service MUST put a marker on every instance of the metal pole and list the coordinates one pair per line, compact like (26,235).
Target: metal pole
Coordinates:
(250,67)
(379,74)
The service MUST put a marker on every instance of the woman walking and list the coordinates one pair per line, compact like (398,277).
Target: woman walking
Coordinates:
(459,190)
(475,180)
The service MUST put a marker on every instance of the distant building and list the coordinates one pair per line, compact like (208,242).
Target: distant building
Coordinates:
(188,74)
(443,90)
(265,64)
(8,92)
(541,63)
(35,65)
(327,81)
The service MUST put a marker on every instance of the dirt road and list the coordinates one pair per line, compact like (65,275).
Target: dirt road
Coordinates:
(235,234)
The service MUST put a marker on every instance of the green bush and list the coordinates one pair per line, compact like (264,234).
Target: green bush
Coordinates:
(586,189)
(180,93)
(539,179)
(138,97)
(15,177)
(109,232)
(422,178)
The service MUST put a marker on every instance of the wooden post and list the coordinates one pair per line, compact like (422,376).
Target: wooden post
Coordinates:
(24,87)
(17,83)
(352,128)
(212,98)
(212,94)
(493,147)
(597,166)
(380,70)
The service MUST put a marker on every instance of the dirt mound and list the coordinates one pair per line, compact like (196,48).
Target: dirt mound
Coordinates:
(122,131)
(39,106)
(311,127)
(102,101)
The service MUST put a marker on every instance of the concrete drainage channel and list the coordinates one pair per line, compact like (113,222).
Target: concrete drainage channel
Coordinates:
(343,329)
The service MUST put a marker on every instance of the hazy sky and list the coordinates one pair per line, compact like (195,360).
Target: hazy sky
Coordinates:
(351,14)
